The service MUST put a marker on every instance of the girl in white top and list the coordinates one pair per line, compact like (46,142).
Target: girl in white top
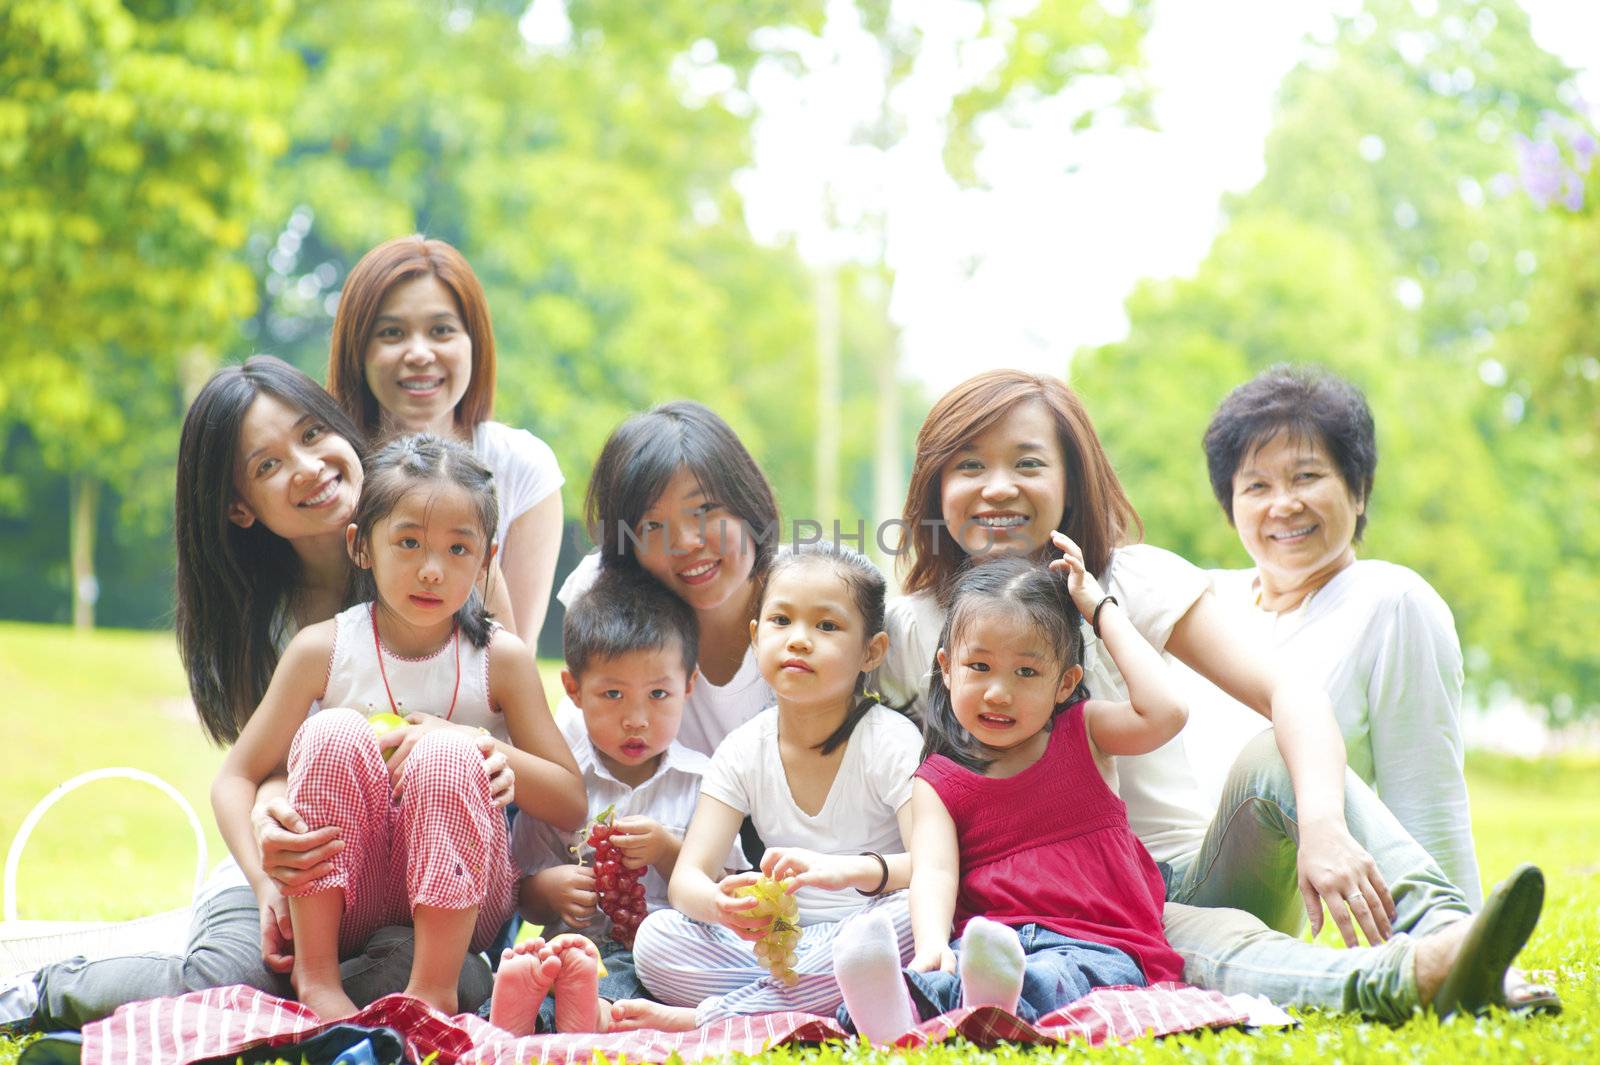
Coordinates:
(413,352)
(675,493)
(826,775)
(423,840)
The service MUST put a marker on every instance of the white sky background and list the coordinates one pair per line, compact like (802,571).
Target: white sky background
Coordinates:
(1038,265)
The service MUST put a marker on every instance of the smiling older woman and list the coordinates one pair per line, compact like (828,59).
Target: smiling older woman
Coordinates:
(1292,456)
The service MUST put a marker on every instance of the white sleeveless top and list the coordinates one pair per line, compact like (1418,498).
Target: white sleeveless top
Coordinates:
(418,684)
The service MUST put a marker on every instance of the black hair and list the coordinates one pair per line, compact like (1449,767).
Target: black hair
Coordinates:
(417,459)
(867,589)
(1307,402)
(1022,587)
(644,453)
(232,582)
(626,611)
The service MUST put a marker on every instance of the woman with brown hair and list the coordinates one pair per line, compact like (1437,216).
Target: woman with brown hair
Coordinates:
(413,352)
(1008,463)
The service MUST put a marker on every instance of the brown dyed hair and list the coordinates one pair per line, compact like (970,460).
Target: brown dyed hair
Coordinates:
(381,269)
(1098,514)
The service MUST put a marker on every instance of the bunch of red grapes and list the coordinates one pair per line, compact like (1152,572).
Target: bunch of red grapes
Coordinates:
(621,889)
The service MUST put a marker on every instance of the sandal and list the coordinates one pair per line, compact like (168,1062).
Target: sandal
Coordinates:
(1477,979)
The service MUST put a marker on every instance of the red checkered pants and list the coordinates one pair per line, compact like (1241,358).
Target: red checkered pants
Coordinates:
(442,843)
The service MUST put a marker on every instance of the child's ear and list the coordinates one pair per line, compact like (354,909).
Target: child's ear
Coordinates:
(240,514)
(752,630)
(689,681)
(944,667)
(877,647)
(489,555)
(1069,683)
(353,549)
(570,684)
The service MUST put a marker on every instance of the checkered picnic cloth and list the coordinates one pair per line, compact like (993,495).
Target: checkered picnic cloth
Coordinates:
(227,1021)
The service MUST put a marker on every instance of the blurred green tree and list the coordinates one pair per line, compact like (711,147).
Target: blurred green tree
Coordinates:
(133,142)
(1387,242)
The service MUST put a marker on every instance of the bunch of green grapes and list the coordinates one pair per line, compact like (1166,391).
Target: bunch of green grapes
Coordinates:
(775,950)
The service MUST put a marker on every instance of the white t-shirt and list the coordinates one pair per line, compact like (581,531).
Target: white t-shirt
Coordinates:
(711,711)
(668,798)
(1383,644)
(1155,589)
(873,782)
(525,471)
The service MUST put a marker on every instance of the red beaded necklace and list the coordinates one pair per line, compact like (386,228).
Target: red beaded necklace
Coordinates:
(377,645)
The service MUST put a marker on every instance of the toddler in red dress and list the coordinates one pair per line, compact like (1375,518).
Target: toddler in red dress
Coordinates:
(1017,836)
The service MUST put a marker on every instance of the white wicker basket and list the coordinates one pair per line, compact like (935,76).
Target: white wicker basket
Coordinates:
(26,945)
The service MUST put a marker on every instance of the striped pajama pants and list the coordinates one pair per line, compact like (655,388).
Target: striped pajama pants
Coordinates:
(442,843)
(683,962)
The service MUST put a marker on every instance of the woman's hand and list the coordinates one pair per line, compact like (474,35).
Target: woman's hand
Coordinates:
(1337,872)
(830,872)
(292,855)
(1081,584)
(277,933)
(942,959)
(502,779)
(733,910)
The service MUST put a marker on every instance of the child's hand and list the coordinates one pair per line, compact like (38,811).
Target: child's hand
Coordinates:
(569,890)
(641,841)
(733,911)
(502,780)
(830,872)
(277,934)
(1084,588)
(940,959)
(292,855)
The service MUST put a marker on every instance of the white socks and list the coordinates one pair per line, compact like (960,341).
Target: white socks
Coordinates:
(991,965)
(866,962)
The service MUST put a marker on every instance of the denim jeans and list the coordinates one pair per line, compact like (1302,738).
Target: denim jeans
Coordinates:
(225,948)
(1244,880)
(1057,971)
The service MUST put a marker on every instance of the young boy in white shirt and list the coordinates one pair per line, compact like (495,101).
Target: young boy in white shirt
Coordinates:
(630,648)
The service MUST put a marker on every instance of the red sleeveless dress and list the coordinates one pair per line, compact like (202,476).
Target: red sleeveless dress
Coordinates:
(1051,846)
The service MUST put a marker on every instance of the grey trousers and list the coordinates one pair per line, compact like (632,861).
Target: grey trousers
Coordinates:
(225,948)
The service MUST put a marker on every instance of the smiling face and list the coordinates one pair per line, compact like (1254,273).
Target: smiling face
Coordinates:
(694,545)
(632,705)
(418,360)
(1294,512)
(811,642)
(425,556)
(1004,683)
(294,475)
(1006,491)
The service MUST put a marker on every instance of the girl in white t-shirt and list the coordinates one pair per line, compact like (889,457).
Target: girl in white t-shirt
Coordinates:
(413,352)
(826,776)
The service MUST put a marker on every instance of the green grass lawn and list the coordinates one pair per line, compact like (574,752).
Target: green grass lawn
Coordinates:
(120,849)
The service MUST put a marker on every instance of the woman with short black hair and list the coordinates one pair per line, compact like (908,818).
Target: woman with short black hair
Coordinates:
(1292,455)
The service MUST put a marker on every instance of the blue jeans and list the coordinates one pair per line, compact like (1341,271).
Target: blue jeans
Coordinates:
(1057,971)
(1244,880)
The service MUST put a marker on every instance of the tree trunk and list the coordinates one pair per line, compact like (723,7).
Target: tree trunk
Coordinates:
(84,500)
(828,430)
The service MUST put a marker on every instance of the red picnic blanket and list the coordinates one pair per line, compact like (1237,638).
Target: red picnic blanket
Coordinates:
(229,1020)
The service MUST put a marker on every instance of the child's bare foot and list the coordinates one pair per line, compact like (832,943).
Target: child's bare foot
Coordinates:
(577,984)
(632,1014)
(328,1002)
(524,978)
